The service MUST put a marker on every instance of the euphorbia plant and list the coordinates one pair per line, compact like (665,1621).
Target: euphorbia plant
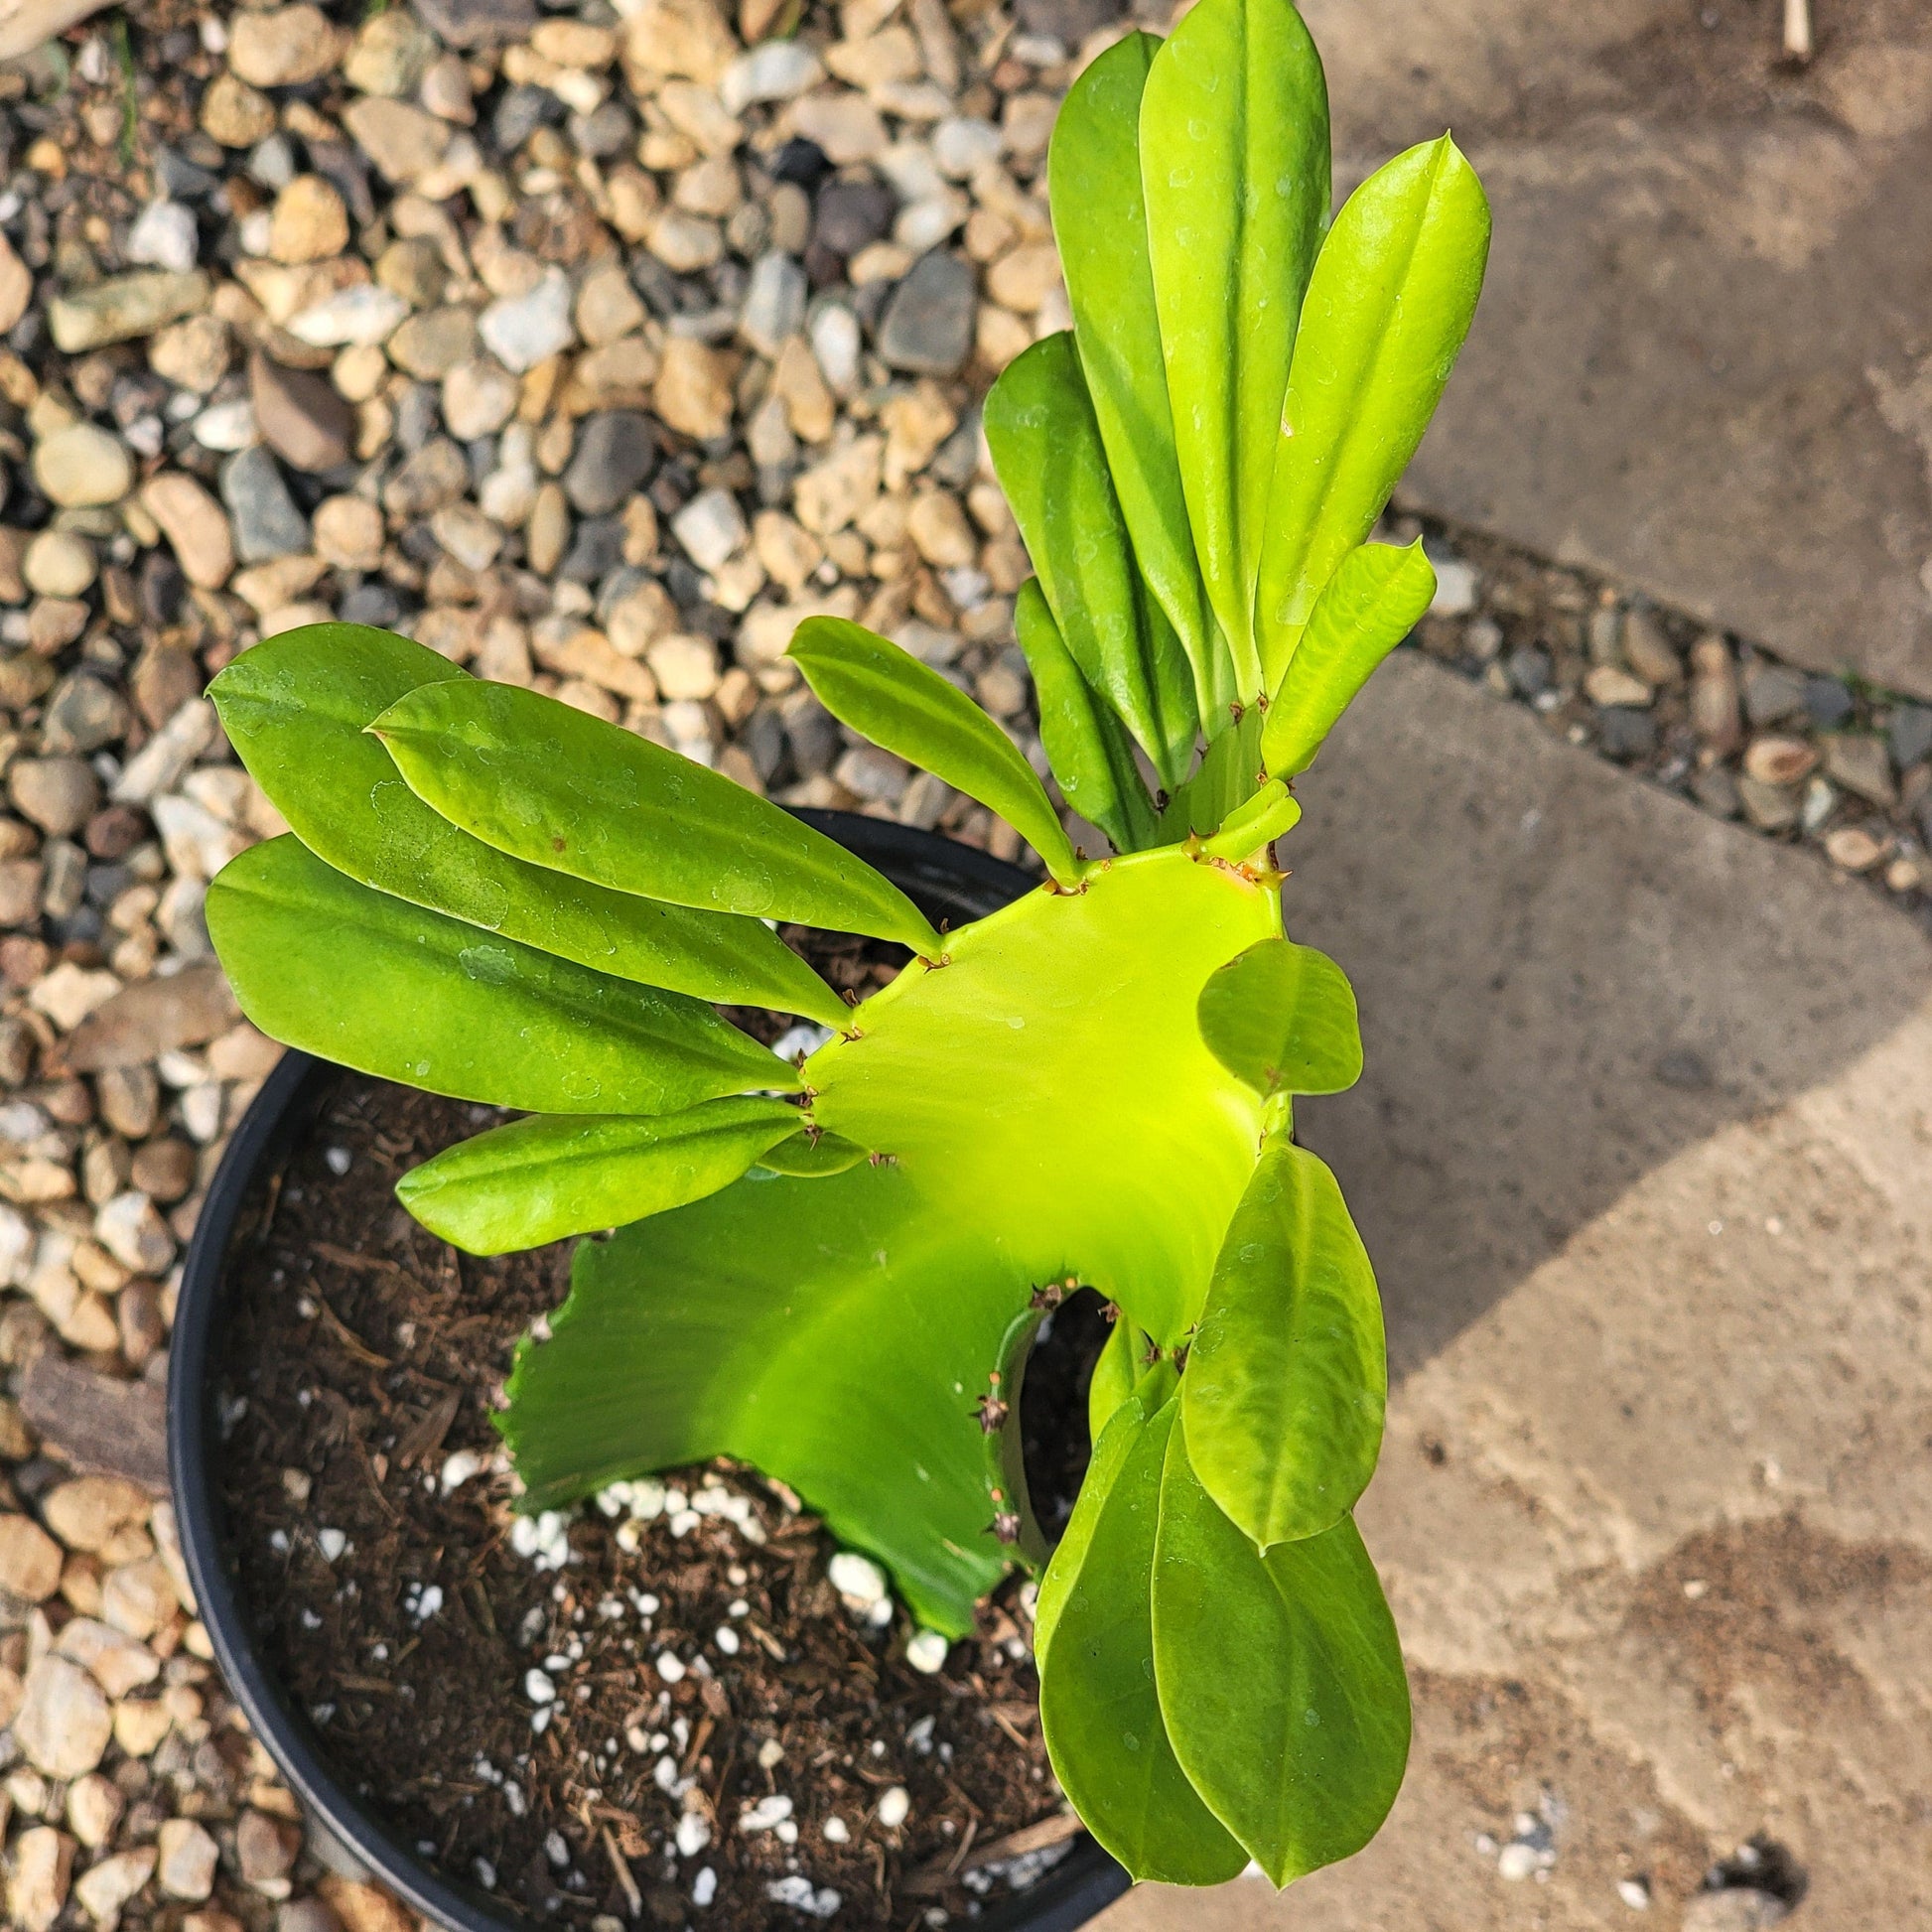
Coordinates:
(834,1271)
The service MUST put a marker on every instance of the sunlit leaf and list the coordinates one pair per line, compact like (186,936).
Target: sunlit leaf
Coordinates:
(295,706)
(887,694)
(1040,426)
(1280,1679)
(1391,299)
(556,1175)
(1098,1705)
(322,963)
(1287,1376)
(546,783)
(1086,745)
(1376,597)
(1234,158)
(1100,224)
(1281,1016)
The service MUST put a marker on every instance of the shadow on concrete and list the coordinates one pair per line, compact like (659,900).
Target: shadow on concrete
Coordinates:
(1566,976)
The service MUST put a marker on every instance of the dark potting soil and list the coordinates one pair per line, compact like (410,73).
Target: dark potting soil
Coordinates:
(363,1355)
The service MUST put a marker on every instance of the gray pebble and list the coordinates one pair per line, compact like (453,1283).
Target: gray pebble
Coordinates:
(927,326)
(616,451)
(266,522)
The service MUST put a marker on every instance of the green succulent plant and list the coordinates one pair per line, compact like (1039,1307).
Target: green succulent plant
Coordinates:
(834,1270)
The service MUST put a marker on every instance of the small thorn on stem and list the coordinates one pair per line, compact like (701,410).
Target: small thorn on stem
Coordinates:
(1006,1525)
(992,1413)
(1236,710)
(1110,1313)
(1049,1296)
(850,997)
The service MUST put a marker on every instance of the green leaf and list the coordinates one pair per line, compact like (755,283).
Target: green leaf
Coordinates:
(1116,1373)
(1098,1705)
(1283,1018)
(1100,223)
(1086,745)
(294,708)
(896,701)
(1280,1678)
(556,1175)
(1040,426)
(1391,299)
(812,1156)
(1376,597)
(544,782)
(1234,159)
(1126,1425)
(1228,776)
(335,968)
(1287,1376)
(1259,821)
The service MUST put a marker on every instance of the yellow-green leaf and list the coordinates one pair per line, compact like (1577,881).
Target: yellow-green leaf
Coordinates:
(1281,1016)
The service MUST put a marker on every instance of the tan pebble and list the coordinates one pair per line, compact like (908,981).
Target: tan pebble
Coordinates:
(999,335)
(608,307)
(37,1889)
(830,494)
(195,524)
(139,1597)
(118,1663)
(64,1723)
(193,354)
(30,1560)
(940,532)
(1612,685)
(188,1860)
(549,529)
(1024,278)
(95,1807)
(685,666)
(310,222)
(693,392)
(685,244)
(1779,761)
(105,1887)
(234,114)
(1855,848)
(348,533)
(286,46)
(140,1724)
(810,407)
(16,286)
(87,1513)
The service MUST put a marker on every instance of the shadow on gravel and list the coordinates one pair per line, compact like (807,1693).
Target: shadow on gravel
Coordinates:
(1566,977)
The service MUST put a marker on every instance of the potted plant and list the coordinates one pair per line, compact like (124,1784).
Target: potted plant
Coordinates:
(833,1269)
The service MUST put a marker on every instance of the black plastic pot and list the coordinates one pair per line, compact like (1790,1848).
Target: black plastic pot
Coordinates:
(948,882)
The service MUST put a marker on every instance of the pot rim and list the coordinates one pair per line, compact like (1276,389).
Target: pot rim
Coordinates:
(944,876)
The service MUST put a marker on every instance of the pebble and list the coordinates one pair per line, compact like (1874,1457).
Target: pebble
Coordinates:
(309,222)
(282,48)
(82,466)
(479,398)
(392,54)
(525,330)
(1735,1908)
(195,525)
(1859,762)
(37,1889)
(1910,735)
(693,392)
(234,114)
(616,452)
(926,1652)
(16,286)
(124,308)
(59,794)
(30,1560)
(364,314)
(85,714)
(58,564)
(775,303)
(301,415)
(773,71)
(894,1807)
(404,141)
(1779,761)
(262,513)
(927,327)
(65,1723)
(188,1859)
(106,1887)
(711,528)
(163,235)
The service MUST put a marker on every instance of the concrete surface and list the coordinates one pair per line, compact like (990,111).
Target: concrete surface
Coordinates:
(1644,1158)
(1704,359)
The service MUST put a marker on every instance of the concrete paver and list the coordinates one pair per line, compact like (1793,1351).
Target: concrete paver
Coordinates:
(1644,1157)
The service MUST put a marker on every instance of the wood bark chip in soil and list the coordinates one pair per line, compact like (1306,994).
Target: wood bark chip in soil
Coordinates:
(361,1355)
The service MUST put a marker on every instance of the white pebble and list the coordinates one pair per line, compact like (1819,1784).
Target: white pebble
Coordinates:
(670,1666)
(428,1603)
(765,1814)
(1516,1861)
(894,1807)
(340,1159)
(1635,1893)
(693,1834)
(926,1652)
(537,1687)
(704,1889)
(461,1466)
(857,1578)
(801,1896)
(726,1638)
(332,1544)
(836,1832)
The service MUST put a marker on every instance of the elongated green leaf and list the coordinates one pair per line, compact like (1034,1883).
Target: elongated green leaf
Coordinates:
(1111,1444)
(1045,444)
(335,968)
(1282,1018)
(1280,1679)
(1269,815)
(812,1156)
(556,1175)
(1084,742)
(1100,224)
(294,708)
(896,701)
(1375,598)
(1115,1373)
(1287,1376)
(1392,296)
(1228,776)
(1234,158)
(1098,1707)
(549,784)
